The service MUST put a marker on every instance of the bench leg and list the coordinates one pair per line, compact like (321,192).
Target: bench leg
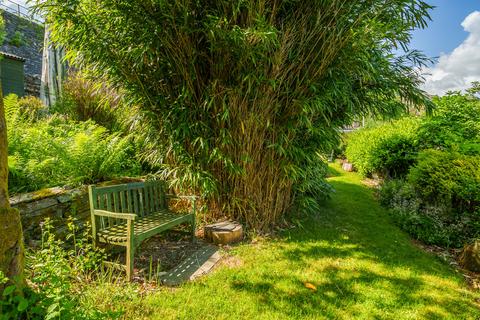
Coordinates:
(130,257)
(130,250)
(193,229)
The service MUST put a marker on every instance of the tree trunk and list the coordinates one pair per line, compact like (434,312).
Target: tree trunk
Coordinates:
(11,237)
(53,71)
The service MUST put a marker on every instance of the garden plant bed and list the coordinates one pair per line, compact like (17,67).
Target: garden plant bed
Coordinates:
(451,257)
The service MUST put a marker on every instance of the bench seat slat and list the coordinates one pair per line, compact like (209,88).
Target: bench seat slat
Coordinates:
(143,226)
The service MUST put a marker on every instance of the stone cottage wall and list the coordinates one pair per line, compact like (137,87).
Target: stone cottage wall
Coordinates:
(25,39)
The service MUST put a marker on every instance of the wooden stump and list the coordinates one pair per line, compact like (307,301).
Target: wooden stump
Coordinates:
(224,232)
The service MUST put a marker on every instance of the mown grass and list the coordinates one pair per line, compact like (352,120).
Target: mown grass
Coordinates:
(361,264)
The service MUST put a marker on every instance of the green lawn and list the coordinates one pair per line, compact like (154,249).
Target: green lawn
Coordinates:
(361,264)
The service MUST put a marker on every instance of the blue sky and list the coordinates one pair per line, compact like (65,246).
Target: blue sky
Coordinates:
(453,36)
(444,32)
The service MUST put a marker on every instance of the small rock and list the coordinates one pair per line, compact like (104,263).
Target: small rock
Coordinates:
(470,257)
(347,166)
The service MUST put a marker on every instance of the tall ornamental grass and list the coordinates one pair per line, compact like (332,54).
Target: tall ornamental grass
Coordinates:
(239,98)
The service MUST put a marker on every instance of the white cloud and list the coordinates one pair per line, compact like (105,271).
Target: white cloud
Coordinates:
(455,71)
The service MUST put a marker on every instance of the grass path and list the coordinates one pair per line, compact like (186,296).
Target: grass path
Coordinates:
(362,266)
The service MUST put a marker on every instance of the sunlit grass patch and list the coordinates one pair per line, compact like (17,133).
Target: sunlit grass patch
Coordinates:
(357,264)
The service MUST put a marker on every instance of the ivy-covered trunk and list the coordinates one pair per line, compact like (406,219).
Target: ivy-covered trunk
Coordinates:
(11,238)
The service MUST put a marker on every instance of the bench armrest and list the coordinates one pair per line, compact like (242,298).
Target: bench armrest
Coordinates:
(118,215)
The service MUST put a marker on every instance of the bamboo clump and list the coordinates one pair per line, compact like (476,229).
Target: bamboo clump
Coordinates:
(238,99)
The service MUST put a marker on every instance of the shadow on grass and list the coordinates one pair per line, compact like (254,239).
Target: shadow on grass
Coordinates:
(333,172)
(362,267)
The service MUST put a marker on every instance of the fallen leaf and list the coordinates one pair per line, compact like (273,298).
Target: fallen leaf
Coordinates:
(310,286)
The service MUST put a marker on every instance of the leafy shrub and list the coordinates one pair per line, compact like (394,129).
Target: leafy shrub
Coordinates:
(438,203)
(447,178)
(54,151)
(455,120)
(56,273)
(388,149)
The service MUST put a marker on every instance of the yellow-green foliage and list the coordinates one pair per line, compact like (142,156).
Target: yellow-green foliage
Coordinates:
(54,151)
(388,148)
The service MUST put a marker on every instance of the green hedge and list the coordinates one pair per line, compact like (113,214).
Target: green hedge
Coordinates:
(388,149)
(435,161)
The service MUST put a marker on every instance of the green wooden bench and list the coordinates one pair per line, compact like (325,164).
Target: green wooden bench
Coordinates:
(127,214)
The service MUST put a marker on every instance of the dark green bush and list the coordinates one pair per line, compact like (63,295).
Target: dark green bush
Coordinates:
(455,121)
(395,155)
(388,149)
(447,178)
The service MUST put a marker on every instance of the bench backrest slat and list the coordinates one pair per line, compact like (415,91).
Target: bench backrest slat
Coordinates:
(152,197)
(102,205)
(107,197)
(129,200)
(141,198)
(146,200)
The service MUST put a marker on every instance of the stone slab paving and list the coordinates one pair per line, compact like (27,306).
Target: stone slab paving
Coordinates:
(199,263)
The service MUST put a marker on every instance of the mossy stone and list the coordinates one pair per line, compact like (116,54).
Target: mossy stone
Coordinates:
(470,257)
(11,244)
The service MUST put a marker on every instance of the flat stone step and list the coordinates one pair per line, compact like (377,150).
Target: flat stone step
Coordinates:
(199,263)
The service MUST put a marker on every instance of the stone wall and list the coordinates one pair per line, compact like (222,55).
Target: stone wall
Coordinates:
(32,85)
(25,39)
(57,204)
(54,203)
